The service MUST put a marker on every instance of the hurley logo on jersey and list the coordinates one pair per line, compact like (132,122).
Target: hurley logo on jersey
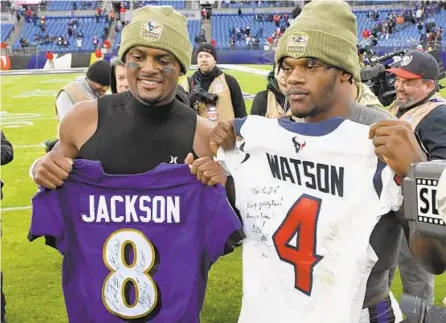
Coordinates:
(298,145)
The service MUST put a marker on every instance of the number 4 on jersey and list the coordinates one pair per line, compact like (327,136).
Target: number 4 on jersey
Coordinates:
(301,220)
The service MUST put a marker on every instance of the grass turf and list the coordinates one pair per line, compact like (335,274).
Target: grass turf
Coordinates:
(32,271)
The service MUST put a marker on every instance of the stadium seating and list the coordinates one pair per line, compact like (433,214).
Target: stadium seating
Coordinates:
(58,26)
(175,4)
(68,5)
(6,31)
(404,35)
(222,24)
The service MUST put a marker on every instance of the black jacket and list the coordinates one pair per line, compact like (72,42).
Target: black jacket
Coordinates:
(7,151)
(260,103)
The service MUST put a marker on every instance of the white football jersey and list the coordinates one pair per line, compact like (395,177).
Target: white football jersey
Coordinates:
(310,195)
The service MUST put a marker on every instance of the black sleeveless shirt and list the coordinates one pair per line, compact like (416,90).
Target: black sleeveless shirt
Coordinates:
(134,138)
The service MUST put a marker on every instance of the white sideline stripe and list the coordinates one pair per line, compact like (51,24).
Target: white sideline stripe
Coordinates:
(16,208)
(246,69)
(25,118)
(28,146)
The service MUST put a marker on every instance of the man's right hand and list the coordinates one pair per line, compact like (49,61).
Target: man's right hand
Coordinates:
(52,170)
(223,135)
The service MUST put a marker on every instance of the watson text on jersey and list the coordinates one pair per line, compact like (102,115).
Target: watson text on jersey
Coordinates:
(133,209)
(322,177)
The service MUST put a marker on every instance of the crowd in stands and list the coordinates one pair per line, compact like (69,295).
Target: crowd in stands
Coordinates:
(422,15)
(256,4)
(246,33)
(74,31)
(256,40)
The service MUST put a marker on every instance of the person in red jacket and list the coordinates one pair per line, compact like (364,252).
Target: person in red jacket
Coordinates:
(50,57)
(98,53)
(366,33)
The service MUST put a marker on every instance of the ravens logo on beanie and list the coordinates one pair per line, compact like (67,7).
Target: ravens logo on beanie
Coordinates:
(325,30)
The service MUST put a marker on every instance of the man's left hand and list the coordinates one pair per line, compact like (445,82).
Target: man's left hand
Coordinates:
(207,170)
(396,144)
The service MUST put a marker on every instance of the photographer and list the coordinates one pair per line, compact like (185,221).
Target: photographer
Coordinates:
(213,94)
(7,157)
(419,103)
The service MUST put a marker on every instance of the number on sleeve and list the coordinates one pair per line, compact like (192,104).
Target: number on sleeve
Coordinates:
(122,272)
(301,220)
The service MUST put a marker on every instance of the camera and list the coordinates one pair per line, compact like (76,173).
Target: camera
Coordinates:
(381,83)
(418,310)
(204,96)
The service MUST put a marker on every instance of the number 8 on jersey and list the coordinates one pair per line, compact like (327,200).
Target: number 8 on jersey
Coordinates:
(121,273)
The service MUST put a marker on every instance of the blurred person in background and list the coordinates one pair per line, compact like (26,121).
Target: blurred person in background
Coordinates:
(272,103)
(89,87)
(7,157)
(118,78)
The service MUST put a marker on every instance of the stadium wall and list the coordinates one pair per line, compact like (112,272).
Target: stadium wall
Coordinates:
(78,60)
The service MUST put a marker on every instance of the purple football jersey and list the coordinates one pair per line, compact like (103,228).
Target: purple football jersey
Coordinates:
(135,247)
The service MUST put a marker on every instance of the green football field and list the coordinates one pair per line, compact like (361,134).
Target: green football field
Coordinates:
(32,271)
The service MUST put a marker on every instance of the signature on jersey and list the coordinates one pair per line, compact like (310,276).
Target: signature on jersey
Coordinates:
(265,190)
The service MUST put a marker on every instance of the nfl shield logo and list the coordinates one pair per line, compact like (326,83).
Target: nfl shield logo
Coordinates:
(297,43)
(152,30)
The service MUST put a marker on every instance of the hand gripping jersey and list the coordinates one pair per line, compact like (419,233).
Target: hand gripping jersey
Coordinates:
(310,196)
(135,246)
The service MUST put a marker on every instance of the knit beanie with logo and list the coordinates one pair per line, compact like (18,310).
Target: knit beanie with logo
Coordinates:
(325,30)
(208,48)
(159,27)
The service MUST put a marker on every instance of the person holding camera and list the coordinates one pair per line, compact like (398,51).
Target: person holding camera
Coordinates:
(214,95)
(7,157)
(419,103)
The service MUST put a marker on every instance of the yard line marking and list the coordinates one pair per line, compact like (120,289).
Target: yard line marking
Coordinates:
(16,208)
(28,146)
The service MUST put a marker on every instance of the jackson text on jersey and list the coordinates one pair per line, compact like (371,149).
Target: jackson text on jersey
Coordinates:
(317,176)
(132,209)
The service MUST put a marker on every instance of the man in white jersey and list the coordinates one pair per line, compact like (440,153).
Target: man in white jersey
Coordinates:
(318,56)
